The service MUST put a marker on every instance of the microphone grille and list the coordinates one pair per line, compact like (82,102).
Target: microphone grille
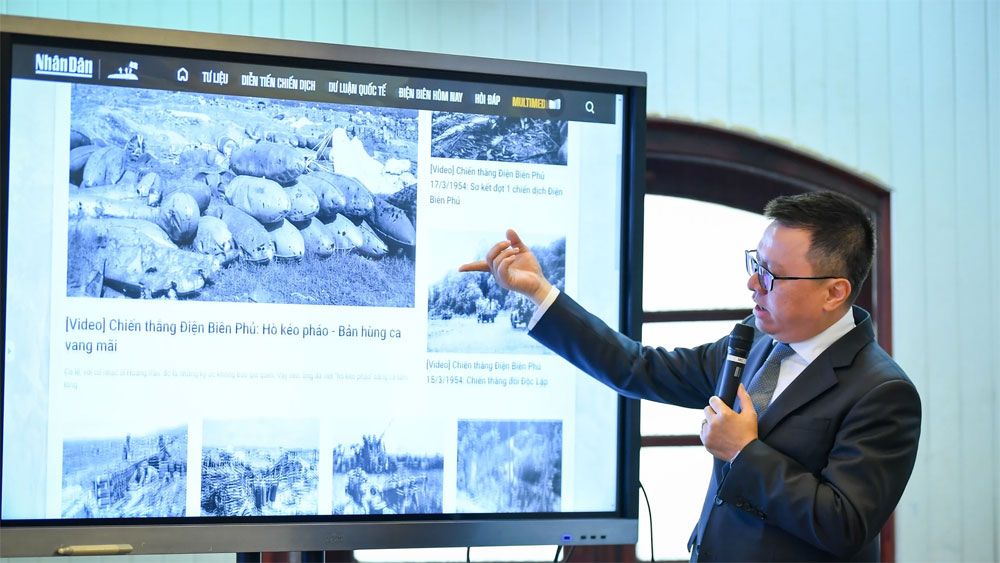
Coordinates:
(741,338)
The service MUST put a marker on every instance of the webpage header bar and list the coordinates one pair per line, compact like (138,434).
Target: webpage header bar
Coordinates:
(244,79)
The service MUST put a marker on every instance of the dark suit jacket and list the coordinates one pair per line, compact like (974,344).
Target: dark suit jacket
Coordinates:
(834,453)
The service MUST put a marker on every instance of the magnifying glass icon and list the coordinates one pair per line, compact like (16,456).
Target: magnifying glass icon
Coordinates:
(589,106)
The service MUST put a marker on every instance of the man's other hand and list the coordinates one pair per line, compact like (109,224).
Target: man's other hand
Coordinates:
(724,431)
(514,267)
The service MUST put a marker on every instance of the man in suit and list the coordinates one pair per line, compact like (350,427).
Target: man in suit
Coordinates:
(812,461)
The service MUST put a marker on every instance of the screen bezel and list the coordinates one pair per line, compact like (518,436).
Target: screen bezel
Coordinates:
(296,533)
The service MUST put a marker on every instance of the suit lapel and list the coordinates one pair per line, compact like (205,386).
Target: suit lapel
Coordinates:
(820,375)
(814,380)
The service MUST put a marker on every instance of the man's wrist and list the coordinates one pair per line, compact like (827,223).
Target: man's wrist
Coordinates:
(737,454)
(543,306)
(541,293)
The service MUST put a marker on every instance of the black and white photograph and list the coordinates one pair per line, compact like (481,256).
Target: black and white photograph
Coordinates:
(130,475)
(509,466)
(388,468)
(259,467)
(188,195)
(468,311)
(499,138)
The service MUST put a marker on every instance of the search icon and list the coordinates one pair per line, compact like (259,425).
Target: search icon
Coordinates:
(589,106)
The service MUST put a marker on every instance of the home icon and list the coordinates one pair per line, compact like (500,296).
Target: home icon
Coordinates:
(182,75)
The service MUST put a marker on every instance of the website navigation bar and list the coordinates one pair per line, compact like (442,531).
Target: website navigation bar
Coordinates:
(238,79)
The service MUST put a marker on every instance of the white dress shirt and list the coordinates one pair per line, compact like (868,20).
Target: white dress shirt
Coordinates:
(553,293)
(808,350)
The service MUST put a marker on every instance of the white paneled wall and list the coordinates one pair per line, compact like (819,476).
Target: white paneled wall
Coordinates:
(905,90)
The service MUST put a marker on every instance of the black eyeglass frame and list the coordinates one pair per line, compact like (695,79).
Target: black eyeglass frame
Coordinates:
(755,267)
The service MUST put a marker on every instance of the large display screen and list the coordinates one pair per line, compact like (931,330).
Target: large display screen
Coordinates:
(232,297)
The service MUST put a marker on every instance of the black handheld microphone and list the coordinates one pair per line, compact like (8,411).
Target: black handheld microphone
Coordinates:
(732,371)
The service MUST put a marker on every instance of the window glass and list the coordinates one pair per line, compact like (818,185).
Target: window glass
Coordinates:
(686,334)
(662,419)
(485,553)
(675,479)
(693,254)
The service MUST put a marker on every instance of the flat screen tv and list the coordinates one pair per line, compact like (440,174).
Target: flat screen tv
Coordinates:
(233,319)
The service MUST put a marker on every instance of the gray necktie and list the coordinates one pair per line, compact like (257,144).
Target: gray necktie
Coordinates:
(764,382)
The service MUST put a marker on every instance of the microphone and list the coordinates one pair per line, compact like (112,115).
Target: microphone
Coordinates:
(740,340)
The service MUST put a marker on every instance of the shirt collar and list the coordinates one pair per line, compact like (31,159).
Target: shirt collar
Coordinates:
(811,349)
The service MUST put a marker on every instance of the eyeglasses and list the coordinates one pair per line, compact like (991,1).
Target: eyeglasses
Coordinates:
(766,278)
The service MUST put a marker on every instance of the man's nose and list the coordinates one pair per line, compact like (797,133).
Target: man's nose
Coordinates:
(753,284)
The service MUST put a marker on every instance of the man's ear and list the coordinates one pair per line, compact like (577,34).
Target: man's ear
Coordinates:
(837,293)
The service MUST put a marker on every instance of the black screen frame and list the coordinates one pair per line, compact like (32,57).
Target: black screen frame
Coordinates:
(300,533)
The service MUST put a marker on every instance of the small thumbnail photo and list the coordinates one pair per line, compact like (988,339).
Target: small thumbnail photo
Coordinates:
(509,466)
(499,138)
(469,312)
(259,468)
(127,476)
(394,470)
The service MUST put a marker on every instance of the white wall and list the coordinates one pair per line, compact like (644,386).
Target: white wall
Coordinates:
(905,90)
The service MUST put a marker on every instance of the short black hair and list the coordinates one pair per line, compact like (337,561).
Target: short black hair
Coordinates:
(843,234)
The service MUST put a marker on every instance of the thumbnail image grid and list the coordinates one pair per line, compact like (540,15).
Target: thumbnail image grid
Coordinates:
(131,476)
(499,138)
(225,198)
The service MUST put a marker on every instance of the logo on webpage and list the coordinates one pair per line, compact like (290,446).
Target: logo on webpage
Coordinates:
(126,72)
(55,65)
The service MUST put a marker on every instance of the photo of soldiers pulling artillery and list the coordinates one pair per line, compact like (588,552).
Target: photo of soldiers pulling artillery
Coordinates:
(138,476)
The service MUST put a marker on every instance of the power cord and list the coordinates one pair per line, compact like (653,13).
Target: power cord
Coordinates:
(650,511)
(569,553)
